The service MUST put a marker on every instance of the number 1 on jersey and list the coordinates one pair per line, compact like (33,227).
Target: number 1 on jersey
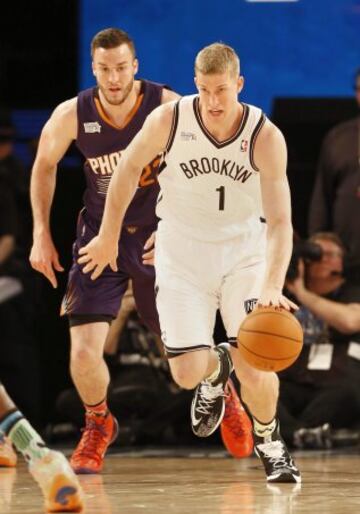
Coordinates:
(221,190)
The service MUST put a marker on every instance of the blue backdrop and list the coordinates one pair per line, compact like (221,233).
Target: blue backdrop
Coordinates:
(297,48)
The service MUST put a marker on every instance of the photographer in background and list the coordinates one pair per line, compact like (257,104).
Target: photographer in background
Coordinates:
(322,389)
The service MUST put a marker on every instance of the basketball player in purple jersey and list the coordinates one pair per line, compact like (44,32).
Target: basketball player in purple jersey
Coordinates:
(102,120)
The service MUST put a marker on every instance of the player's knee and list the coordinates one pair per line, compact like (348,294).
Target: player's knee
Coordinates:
(185,380)
(186,375)
(250,377)
(255,380)
(83,359)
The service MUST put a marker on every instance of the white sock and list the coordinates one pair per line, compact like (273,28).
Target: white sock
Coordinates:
(27,441)
(264,429)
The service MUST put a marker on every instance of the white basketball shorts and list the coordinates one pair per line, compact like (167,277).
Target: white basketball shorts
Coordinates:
(195,278)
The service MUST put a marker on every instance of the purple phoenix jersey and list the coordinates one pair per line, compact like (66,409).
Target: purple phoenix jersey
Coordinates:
(101,142)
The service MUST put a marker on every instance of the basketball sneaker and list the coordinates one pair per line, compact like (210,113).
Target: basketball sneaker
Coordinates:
(277,461)
(8,456)
(208,404)
(236,427)
(58,482)
(98,434)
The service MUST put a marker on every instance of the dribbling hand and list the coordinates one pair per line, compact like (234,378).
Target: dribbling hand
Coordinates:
(274,297)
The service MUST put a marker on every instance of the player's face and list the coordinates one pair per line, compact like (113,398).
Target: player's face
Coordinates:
(218,94)
(331,263)
(115,70)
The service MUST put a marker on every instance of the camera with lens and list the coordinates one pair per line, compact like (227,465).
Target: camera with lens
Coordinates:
(310,252)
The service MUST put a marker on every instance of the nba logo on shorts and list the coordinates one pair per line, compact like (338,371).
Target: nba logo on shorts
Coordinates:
(243,145)
(250,304)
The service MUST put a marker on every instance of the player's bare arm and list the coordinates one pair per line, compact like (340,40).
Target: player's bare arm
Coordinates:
(270,156)
(56,137)
(147,144)
(169,96)
(149,247)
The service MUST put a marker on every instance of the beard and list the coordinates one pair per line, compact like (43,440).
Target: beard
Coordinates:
(125,93)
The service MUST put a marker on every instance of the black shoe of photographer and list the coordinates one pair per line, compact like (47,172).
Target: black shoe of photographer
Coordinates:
(208,404)
(276,459)
(318,438)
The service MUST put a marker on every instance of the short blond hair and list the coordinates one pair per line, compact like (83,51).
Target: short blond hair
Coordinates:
(217,58)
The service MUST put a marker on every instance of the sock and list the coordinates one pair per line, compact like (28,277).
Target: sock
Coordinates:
(215,374)
(264,429)
(8,421)
(27,441)
(99,409)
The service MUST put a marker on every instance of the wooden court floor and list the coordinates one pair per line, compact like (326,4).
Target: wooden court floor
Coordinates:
(200,484)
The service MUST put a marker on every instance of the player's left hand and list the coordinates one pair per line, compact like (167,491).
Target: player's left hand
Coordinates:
(274,297)
(149,246)
(97,254)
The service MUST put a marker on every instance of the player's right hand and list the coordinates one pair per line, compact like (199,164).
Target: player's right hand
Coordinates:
(44,258)
(97,254)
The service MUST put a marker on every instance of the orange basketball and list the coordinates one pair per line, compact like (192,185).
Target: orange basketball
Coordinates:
(270,338)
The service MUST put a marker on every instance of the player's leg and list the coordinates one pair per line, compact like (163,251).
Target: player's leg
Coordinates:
(91,306)
(206,370)
(187,370)
(7,455)
(91,378)
(50,469)
(142,276)
(189,367)
(236,426)
(187,303)
(259,389)
(143,283)
(87,366)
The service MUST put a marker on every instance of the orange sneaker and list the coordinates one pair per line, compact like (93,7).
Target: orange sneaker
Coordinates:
(236,427)
(98,434)
(8,456)
(58,482)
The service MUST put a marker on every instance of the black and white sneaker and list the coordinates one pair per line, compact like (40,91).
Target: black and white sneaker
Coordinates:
(208,404)
(277,461)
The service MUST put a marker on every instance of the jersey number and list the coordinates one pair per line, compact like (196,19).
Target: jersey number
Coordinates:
(221,190)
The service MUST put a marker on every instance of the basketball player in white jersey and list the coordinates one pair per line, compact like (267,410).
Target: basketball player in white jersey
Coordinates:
(224,173)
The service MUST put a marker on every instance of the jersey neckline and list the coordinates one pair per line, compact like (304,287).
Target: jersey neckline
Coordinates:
(212,139)
(130,116)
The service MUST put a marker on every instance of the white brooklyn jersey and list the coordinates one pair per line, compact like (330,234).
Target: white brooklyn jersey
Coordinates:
(210,190)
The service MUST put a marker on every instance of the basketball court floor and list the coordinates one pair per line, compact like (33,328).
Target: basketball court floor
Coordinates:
(200,482)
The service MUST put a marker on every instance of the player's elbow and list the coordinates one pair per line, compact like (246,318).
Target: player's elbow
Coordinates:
(280,224)
(43,166)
